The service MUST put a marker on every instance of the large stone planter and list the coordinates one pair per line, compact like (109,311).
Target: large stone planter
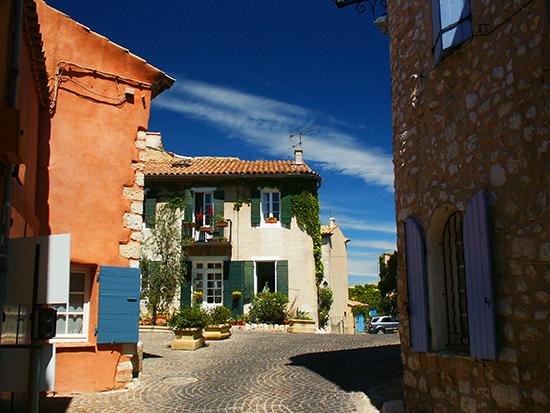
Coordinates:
(219,332)
(301,326)
(188,339)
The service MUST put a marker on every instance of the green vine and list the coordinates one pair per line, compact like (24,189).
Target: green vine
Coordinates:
(239,203)
(305,205)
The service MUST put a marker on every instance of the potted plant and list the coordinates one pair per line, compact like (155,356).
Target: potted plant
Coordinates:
(221,221)
(271,220)
(197,296)
(205,229)
(301,323)
(219,326)
(187,325)
(189,224)
(237,295)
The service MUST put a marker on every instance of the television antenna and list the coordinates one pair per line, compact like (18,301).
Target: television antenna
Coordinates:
(299,144)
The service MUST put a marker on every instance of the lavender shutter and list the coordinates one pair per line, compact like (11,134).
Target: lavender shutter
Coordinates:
(416,279)
(451,24)
(479,282)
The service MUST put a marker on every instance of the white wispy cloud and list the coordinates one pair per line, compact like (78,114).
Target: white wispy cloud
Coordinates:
(348,222)
(265,122)
(363,268)
(374,244)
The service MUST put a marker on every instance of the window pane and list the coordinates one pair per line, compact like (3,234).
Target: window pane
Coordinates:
(75,324)
(199,265)
(76,303)
(275,196)
(77,282)
(60,325)
(218,265)
(60,308)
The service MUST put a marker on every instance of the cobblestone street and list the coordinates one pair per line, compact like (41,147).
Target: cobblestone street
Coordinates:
(255,372)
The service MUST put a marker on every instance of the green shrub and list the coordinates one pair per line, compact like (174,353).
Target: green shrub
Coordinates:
(268,307)
(325,302)
(189,317)
(219,315)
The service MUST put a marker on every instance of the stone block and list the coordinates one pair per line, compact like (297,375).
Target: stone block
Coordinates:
(134,194)
(130,251)
(133,221)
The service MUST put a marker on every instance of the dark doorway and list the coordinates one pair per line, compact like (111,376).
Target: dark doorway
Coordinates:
(265,275)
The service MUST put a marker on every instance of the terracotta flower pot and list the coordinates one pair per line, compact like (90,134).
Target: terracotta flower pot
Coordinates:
(222,224)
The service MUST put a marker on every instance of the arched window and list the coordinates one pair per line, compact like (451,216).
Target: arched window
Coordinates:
(455,285)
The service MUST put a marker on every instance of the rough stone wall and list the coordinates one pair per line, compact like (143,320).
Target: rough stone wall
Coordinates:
(133,219)
(479,119)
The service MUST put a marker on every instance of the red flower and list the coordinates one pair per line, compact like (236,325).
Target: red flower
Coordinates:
(199,216)
(209,210)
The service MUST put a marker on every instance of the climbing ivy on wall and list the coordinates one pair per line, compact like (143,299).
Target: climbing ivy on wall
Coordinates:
(305,205)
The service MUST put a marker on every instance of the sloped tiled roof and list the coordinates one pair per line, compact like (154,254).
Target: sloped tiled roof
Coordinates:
(211,166)
(327,229)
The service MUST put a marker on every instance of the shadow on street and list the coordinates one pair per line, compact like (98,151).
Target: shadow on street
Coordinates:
(375,371)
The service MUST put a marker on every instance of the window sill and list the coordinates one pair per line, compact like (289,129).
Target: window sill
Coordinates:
(62,342)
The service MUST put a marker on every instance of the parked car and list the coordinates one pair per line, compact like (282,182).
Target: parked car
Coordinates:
(383,324)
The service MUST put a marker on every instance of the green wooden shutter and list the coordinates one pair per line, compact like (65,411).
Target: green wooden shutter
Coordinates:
(218,210)
(233,278)
(219,202)
(185,297)
(255,207)
(282,277)
(248,281)
(150,209)
(188,213)
(286,207)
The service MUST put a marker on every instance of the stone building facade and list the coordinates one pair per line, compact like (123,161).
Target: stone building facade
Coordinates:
(471,120)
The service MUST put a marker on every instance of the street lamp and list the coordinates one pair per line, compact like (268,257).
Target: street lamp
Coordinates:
(381,21)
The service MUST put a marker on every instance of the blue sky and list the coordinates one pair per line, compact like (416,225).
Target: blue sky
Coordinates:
(249,73)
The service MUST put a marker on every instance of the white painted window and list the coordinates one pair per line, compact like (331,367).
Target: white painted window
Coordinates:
(208,279)
(271,205)
(72,315)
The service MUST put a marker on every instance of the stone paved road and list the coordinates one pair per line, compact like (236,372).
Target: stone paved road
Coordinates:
(255,372)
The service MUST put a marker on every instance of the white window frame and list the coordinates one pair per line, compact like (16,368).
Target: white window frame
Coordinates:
(204,192)
(270,203)
(83,337)
(274,259)
(204,279)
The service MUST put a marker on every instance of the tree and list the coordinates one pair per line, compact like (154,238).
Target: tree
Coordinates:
(162,267)
(325,301)
(388,285)
(366,294)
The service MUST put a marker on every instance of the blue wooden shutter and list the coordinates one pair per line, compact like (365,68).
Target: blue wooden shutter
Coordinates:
(286,207)
(118,310)
(219,202)
(282,277)
(479,280)
(255,217)
(188,213)
(416,279)
(451,24)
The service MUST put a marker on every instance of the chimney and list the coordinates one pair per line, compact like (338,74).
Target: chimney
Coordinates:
(299,153)
(332,222)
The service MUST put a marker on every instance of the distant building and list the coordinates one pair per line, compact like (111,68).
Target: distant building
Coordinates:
(335,261)
(261,245)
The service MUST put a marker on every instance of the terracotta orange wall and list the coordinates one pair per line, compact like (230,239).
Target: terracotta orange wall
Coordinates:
(91,368)
(23,198)
(92,144)
(92,149)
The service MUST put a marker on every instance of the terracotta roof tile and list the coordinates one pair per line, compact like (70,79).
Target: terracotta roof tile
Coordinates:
(326,229)
(207,166)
